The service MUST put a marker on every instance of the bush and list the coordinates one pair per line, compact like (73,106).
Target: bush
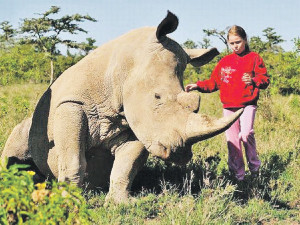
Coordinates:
(284,71)
(21,201)
(22,63)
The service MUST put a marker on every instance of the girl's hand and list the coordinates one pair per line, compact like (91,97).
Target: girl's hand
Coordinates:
(247,79)
(190,87)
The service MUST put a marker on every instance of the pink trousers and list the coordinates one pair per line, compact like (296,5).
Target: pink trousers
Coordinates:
(242,132)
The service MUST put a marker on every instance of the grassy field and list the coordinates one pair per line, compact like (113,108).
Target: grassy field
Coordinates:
(200,192)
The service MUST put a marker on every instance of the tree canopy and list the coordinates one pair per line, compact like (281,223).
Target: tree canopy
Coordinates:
(8,31)
(46,32)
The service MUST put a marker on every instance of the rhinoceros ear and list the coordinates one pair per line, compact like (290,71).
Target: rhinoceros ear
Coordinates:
(199,57)
(168,25)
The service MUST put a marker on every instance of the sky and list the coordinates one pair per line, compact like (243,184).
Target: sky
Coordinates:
(116,17)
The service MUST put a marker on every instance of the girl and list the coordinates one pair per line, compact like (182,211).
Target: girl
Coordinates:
(239,76)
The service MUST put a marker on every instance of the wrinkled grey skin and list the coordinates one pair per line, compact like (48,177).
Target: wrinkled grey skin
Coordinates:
(98,122)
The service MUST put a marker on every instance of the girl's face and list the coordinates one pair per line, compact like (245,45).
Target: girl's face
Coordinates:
(237,44)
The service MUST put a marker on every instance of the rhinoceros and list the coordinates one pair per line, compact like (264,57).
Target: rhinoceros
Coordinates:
(99,120)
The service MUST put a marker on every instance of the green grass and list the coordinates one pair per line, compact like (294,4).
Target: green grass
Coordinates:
(16,103)
(201,192)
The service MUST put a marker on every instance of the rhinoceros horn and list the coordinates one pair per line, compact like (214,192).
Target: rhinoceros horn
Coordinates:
(200,127)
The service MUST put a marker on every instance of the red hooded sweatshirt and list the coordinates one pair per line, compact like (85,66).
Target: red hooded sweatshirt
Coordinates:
(227,77)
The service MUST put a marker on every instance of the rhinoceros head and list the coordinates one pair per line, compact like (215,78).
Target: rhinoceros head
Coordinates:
(158,111)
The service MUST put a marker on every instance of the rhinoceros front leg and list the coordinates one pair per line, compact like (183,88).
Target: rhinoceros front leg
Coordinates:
(128,161)
(70,138)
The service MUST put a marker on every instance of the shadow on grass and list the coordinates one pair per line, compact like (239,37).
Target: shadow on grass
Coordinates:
(260,187)
(187,178)
(192,177)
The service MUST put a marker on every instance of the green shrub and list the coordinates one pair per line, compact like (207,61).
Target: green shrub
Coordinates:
(21,201)
(22,63)
(284,71)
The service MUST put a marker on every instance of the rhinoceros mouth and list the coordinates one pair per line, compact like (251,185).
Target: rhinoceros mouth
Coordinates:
(179,155)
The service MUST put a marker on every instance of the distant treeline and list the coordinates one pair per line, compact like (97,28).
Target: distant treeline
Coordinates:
(31,52)
(283,69)
(22,63)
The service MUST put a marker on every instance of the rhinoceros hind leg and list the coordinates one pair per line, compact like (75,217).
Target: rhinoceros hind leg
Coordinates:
(70,138)
(129,159)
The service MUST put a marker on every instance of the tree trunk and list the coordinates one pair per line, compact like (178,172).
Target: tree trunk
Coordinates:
(51,72)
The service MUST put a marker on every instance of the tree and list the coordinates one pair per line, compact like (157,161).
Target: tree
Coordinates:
(8,31)
(297,44)
(189,44)
(256,44)
(87,46)
(219,34)
(45,33)
(272,39)
(205,43)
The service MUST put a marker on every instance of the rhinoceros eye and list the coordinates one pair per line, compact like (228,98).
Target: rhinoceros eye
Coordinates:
(157,96)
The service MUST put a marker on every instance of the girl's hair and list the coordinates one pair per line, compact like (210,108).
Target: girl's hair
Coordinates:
(239,31)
